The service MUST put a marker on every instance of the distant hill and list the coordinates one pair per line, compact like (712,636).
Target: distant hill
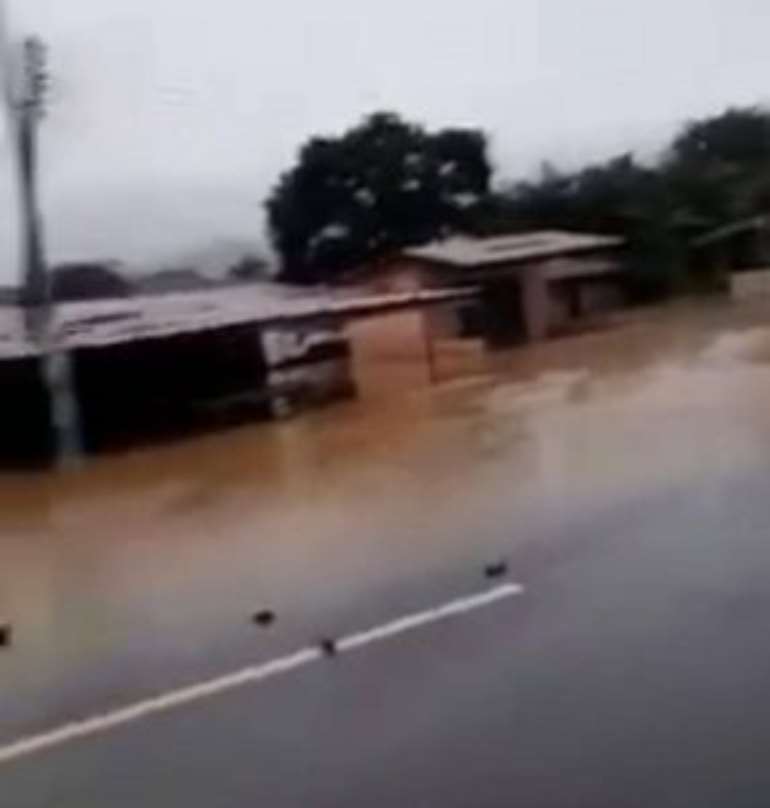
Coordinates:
(220,262)
(171,280)
(86,280)
(216,258)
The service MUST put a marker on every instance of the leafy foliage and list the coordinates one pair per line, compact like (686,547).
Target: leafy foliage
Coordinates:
(716,170)
(382,185)
(387,183)
(720,167)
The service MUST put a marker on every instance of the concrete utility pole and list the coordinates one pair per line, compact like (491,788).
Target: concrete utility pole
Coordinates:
(26,80)
(35,293)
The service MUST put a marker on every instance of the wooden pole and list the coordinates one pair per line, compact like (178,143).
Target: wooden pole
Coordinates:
(430,352)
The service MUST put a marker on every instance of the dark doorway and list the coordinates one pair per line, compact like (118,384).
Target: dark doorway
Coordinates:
(502,309)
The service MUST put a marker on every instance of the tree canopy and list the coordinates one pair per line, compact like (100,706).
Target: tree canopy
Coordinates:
(719,167)
(387,183)
(382,185)
(715,170)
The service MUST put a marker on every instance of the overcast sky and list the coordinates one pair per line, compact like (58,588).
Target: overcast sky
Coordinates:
(170,119)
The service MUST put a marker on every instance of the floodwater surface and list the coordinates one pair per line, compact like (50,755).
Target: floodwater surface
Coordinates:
(140,572)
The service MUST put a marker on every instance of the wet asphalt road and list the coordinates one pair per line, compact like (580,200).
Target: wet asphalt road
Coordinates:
(633,672)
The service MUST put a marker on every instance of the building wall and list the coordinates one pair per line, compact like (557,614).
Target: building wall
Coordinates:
(132,391)
(746,285)
(518,302)
(307,364)
(600,295)
(535,303)
(389,354)
(444,322)
(559,306)
(573,299)
(152,387)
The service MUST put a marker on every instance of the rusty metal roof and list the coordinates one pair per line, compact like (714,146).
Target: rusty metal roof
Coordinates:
(94,324)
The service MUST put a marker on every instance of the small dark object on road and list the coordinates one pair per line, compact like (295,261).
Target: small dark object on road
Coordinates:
(496,569)
(5,635)
(264,618)
(329,647)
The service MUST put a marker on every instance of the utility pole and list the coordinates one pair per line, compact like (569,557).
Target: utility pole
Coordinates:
(29,105)
(26,81)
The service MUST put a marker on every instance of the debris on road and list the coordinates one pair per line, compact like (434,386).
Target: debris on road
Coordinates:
(264,617)
(329,647)
(496,569)
(5,634)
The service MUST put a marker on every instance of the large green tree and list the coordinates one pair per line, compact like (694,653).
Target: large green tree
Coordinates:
(384,184)
(719,167)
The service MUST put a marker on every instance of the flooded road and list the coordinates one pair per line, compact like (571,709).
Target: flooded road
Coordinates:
(140,572)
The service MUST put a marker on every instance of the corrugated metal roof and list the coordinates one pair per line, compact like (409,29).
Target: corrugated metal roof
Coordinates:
(469,253)
(108,322)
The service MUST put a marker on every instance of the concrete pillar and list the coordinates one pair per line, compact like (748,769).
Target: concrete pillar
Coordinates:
(534,302)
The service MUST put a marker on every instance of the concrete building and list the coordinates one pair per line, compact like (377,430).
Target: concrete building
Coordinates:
(532,285)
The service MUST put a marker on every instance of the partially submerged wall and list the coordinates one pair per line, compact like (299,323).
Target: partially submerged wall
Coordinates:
(167,385)
(750,283)
(145,389)
(306,365)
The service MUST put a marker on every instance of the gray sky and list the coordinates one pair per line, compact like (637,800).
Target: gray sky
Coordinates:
(170,119)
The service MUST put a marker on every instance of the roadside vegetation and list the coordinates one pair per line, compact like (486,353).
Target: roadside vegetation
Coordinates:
(388,183)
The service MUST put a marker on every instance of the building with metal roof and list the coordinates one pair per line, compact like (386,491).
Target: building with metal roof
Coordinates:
(141,367)
(534,284)
(483,253)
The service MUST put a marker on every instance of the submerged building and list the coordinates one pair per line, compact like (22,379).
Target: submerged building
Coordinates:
(156,366)
(532,285)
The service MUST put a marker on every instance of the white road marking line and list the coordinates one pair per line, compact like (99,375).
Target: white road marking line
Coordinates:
(412,621)
(246,676)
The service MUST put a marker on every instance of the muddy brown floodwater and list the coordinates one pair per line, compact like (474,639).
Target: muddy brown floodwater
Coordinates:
(140,571)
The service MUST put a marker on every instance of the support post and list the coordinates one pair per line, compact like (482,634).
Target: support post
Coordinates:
(430,352)
(26,107)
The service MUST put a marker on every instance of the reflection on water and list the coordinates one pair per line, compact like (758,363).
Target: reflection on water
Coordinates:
(151,561)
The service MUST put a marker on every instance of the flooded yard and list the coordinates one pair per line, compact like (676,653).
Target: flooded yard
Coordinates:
(141,570)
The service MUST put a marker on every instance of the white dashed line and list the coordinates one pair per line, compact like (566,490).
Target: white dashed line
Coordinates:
(247,676)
